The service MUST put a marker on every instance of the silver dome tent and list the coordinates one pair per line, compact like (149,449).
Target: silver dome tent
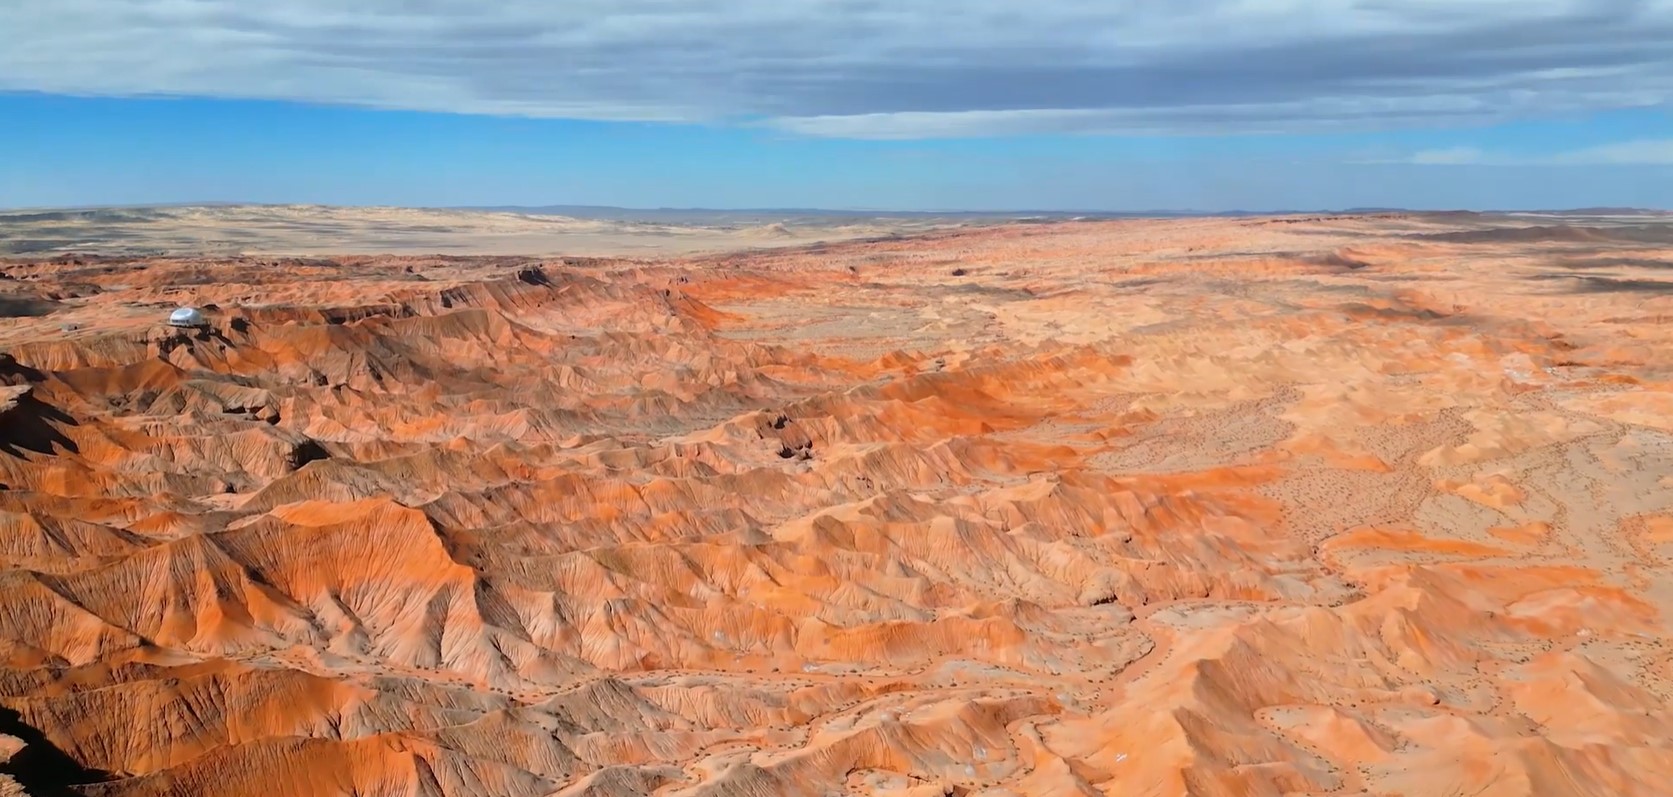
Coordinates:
(187,317)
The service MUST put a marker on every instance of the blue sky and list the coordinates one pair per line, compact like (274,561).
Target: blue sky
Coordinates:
(1079,105)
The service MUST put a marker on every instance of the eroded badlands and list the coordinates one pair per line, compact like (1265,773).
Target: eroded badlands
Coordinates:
(1353,505)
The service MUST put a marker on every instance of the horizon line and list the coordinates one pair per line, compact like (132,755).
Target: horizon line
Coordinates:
(1013,212)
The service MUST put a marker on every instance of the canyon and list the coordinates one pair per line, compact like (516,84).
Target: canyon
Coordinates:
(1352,504)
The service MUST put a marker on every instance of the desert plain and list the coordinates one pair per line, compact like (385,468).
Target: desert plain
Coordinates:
(1375,504)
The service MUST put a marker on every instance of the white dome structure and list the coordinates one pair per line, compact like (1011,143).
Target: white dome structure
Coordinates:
(187,317)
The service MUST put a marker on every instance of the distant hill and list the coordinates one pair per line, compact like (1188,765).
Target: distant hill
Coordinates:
(763,215)
(757,215)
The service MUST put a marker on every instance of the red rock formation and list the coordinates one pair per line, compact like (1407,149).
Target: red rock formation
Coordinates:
(1207,507)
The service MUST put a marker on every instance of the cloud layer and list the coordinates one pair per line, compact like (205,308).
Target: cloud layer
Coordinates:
(873,68)
(1639,152)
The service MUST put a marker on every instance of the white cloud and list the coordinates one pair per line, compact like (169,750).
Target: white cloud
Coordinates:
(1643,152)
(872,68)
(1453,155)
(1647,152)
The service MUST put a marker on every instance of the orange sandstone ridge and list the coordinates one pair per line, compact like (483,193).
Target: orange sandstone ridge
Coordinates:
(1348,506)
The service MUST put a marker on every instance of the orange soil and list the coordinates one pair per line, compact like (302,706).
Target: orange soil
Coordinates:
(1206,507)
